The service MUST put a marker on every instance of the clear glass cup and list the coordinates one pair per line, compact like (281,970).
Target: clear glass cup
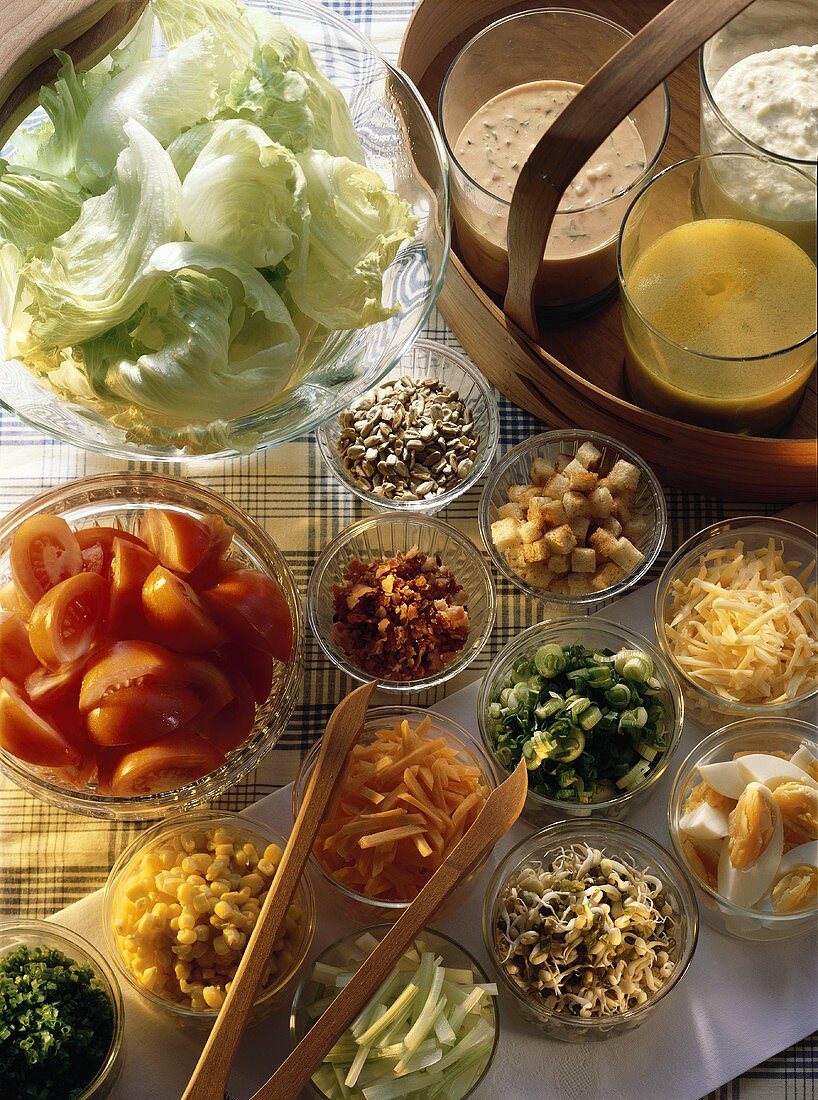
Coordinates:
(346,954)
(469,750)
(749,735)
(578,273)
(755,532)
(754,394)
(784,204)
(383,536)
(42,933)
(617,841)
(428,359)
(119,500)
(514,468)
(597,633)
(251,830)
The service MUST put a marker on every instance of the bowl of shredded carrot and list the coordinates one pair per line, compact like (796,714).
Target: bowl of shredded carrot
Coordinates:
(414,783)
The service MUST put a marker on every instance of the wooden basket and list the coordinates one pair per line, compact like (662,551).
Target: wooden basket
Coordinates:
(571,376)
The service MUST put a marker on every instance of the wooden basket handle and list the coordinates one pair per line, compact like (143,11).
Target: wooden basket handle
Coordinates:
(605,101)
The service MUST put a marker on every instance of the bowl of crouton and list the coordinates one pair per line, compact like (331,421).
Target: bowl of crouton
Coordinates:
(573,517)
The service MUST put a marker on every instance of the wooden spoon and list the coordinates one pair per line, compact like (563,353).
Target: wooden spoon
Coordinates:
(30,32)
(501,810)
(209,1078)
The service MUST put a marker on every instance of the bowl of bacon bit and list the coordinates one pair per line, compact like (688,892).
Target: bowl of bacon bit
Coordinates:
(408,601)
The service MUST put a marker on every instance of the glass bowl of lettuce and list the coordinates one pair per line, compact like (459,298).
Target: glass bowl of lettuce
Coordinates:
(219,236)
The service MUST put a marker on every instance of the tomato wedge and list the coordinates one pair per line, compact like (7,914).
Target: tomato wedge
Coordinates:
(30,736)
(131,563)
(141,712)
(210,684)
(252,607)
(44,552)
(43,687)
(231,726)
(8,599)
(162,765)
(93,559)
(179,541)
(121,664)
(100,540)
(258,667)
(17,658)
(68,619)
(175,614)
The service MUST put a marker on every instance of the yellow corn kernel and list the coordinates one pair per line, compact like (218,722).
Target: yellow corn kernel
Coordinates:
(182,971)
(196,864)
(234,939)
(186,936)
(213,996)
(220,945)
(273,853)
(203,903)
(218,887)
(252,882)
(187,842)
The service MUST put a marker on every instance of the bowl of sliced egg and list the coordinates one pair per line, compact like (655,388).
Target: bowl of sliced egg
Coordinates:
(743,818)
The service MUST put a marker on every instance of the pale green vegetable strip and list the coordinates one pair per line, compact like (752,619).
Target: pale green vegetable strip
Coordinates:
(401,1086)
(395,1009)
(358,1061)
(462,1010)
(430,1009)
(443,1030)
(480,1035)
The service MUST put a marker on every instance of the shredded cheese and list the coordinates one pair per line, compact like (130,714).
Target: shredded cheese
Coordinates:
(744,626)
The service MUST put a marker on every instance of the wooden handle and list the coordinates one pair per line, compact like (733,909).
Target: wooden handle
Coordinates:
(209,1079)
(605,101)
(501,810)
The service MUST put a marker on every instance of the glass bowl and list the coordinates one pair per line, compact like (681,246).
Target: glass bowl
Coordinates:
(119,500)
(425,359)
(401,142)
(346,953)
(383,536)
(43,933)
(616,840)
(359,906)
(514,468)
(251,830)
(754,531)
(525,47)
(540,810)
(748,735)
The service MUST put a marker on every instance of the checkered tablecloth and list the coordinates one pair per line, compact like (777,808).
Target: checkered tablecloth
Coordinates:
(49,858)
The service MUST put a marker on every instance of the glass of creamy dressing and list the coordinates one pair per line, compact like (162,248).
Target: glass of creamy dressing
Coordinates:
(718,308)
(759,94)
(500,95)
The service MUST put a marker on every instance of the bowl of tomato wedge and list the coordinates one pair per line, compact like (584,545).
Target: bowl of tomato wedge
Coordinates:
(151,645)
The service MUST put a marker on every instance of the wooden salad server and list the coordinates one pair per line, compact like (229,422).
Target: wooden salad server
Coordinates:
(578,131)
(209,1078)
(502,808)
(30,31)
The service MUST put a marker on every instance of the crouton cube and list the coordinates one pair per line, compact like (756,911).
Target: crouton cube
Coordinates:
(536,507)
(624,506)
(562,460)
(559,564)
(561,540)
(635,528)
(584,481)
(521,494)
(622,475)
(612,525)
(535,551)
(560,585)
(579,584)
(609,574)
(542,470)
(601,502)
(552,514)
(574,504)
(515,558)
(558,486)
(626,555)
(588,456)
(603,544)
(538,575)
(579,525)
(505,533)
(529,532)
(583,560)
(512,510)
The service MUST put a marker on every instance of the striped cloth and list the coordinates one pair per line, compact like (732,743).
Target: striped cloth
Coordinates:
(49,858)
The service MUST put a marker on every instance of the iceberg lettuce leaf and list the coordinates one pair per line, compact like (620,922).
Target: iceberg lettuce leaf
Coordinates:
(51,146)
(35,208)
(181,19)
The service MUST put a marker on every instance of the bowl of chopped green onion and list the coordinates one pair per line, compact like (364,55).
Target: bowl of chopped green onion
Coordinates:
(429,1032)
(61,1014)
(593,708)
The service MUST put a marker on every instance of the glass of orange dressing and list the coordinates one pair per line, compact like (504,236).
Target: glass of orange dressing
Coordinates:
(501,93)
(718,310)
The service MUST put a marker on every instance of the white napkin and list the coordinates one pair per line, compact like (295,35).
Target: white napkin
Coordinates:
(739,1002)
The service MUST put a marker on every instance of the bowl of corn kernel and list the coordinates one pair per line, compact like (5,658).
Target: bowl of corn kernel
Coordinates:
(179,907)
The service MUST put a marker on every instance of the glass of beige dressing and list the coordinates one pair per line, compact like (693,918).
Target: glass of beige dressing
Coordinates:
(500,95)
(718,309)
(759,94)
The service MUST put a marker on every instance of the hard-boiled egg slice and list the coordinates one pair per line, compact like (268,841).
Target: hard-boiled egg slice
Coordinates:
(795,857)
(803,757)
(724,777)
(746,886)
(705,822)
(760,767)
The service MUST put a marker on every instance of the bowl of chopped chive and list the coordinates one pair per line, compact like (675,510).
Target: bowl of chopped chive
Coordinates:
(594,709)
(61,1015)
(640,924)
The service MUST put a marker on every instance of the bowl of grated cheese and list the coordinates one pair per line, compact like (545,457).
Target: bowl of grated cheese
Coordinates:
(736,614)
